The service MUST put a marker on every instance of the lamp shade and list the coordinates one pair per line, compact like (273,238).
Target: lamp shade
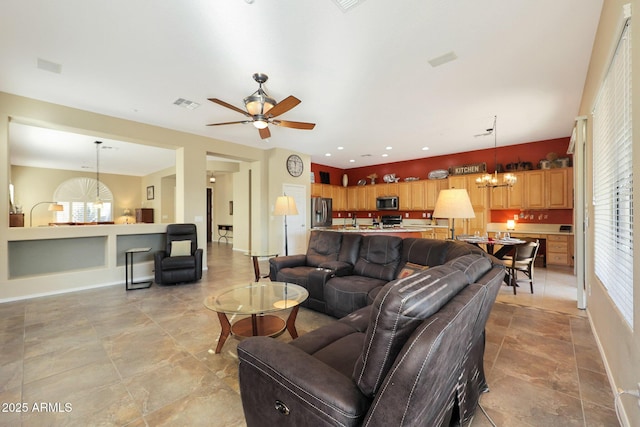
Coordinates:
(453,203)
(55,207)
(285,205)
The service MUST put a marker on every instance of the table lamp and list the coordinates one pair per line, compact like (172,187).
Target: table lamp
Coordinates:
(453,203)
(285,205)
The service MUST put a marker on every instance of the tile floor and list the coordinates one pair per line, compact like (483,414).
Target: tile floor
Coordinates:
(111,357)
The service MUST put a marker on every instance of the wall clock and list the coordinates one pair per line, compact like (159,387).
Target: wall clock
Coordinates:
(295,165)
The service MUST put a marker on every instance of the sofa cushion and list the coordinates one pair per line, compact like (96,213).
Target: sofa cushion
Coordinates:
(324,246)
(178,263)
(297,275)
(397,311)
(347,294)
(474,266)
(379,257)
(424,251)
(457,249)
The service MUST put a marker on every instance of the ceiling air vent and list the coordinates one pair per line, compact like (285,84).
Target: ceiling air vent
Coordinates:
(346,5)
(185,103)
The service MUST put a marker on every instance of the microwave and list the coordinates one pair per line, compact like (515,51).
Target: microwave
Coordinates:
(387,203)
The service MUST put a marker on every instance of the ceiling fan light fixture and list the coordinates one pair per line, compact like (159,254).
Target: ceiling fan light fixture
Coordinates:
(260,123)
(259,103)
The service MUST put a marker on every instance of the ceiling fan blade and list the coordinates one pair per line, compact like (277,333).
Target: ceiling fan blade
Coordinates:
(229,123)
(283,106)
(231,107)
(264,133)
(294,125)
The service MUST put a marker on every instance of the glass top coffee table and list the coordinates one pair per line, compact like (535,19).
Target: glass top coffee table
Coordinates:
(257,299)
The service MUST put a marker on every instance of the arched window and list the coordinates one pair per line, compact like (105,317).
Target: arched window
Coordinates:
(78,196)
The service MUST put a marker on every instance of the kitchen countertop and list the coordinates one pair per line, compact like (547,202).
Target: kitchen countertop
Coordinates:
(492,227)
(372,229)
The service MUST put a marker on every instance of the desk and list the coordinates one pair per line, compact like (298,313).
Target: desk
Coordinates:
(223,231)
(256,299)
(128,270)
(255,257)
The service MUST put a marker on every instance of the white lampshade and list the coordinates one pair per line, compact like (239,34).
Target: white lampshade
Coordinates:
(285,205)
(55,207)
(453,203)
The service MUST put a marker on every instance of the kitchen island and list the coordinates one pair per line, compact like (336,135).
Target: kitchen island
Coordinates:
(403,232)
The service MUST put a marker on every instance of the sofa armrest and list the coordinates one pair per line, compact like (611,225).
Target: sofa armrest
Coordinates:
(313,393)
(278,263)
(339,268)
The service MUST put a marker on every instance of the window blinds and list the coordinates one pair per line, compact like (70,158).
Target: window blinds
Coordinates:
(613,180)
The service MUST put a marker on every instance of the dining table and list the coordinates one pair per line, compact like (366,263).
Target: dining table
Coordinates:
(507,244)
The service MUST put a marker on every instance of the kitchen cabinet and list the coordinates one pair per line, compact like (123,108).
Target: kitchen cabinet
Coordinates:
(559,188)
(316,190)
(387,189)
(536,189)
(559,250)
(432,188)
(417,195)
(404,196)
(352,198)
(339,197)
(479,200)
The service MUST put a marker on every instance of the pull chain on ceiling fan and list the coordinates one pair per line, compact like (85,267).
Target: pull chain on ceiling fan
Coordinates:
(261,110)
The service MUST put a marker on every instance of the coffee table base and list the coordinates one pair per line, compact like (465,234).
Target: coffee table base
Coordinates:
(257,325)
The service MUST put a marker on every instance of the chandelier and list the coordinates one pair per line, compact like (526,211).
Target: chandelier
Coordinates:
(491,181)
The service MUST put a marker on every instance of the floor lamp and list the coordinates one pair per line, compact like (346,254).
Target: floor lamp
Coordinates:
(453,203)
(53,207)
(285,205)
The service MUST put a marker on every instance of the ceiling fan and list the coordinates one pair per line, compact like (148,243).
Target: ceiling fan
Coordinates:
(262,110)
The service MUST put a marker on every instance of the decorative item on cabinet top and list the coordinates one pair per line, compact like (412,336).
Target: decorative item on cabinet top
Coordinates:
(438,174)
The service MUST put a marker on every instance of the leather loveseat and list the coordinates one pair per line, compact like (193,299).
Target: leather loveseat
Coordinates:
(344,271)
(412,357)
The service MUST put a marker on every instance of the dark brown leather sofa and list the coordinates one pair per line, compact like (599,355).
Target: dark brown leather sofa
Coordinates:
(344,271)
(411,358)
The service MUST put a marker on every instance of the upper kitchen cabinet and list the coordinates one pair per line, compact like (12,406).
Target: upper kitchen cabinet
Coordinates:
(560,188)
(536,189)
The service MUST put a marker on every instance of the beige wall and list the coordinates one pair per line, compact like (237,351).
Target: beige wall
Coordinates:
(619,343)
(34,185)
(180,193)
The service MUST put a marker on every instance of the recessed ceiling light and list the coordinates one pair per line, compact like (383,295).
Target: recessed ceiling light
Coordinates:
(389,148)
(351,161)
(340,148)
(185,103)
(425,148)
(328,155)
(385,155)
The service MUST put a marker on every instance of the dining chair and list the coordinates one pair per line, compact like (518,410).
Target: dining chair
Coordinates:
(522,260)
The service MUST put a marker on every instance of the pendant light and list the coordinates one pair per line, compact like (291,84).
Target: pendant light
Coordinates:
(98,203)
(491,181)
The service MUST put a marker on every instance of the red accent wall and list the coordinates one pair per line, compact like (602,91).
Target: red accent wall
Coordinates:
(530,152)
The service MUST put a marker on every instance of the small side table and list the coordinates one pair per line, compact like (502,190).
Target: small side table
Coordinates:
(255,256)
(128,270)
(223,231)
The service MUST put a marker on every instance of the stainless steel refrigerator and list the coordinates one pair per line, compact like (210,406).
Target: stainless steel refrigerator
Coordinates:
(320,212)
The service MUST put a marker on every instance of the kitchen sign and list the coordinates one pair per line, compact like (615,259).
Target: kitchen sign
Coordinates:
(468,169)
